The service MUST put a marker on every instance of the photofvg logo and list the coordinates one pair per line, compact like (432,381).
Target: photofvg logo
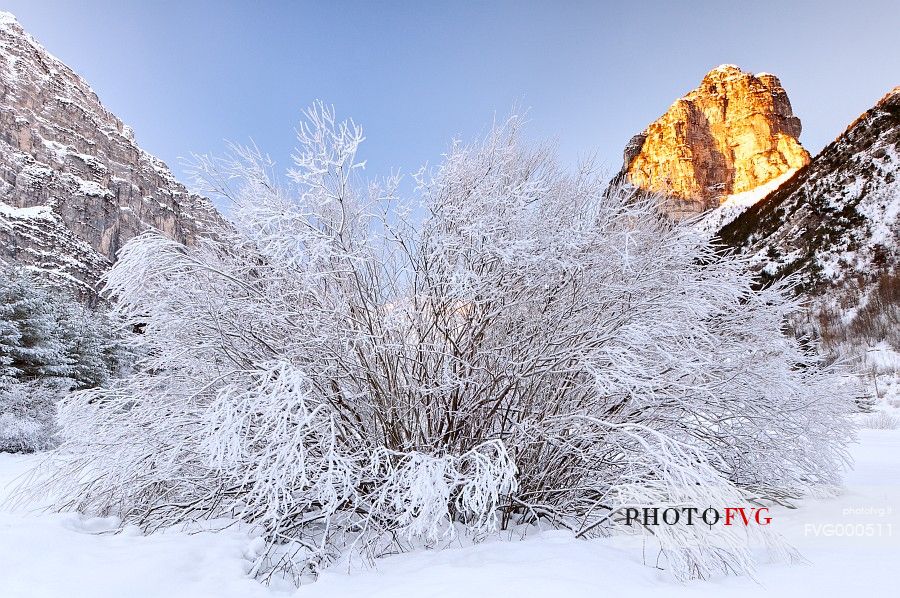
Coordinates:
(653,516)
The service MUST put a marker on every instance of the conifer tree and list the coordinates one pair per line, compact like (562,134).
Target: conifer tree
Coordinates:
(34,346)
(49,345)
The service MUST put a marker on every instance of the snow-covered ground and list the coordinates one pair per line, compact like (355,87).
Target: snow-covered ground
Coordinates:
(64,555)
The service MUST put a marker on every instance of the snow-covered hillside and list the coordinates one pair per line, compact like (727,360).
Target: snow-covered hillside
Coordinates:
(850,542)
(834,226)
(837,218)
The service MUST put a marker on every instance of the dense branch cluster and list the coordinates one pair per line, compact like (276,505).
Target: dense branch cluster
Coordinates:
(353,373)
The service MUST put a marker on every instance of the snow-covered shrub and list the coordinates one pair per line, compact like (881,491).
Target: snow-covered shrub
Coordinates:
(880,420)
(355,374)
(27,413)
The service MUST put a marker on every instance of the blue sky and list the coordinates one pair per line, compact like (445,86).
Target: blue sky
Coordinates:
(187,75)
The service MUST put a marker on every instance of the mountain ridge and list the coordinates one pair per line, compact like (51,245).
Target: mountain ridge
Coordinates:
(74,184)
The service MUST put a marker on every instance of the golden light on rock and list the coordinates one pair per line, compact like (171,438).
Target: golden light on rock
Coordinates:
(734,132)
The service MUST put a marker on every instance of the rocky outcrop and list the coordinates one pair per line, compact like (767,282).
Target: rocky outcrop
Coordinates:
(74,185)
(836,221)
(732,134)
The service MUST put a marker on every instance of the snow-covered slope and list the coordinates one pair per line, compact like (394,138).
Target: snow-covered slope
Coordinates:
(736,204)
(74,185)
(836,218)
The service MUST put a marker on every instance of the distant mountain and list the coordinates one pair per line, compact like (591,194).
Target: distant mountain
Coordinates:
(836,218)
(729,150)
(74,184)
(731,135)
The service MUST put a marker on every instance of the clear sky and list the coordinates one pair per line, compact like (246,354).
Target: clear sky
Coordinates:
(187,75)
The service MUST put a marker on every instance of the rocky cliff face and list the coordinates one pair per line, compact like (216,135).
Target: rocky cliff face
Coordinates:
(732,134)
(74,185)
(836,220)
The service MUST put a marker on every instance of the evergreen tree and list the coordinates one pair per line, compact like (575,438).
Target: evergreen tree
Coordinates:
(9,338)
(49,345)
(83,346)
(32,345)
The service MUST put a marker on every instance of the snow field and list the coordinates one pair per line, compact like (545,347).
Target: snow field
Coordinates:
(851,543)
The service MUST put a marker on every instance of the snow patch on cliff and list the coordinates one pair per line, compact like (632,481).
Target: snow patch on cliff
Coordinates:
(39,212)
(734,205)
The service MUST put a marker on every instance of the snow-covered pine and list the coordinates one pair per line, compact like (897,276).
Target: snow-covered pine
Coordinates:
(9,337)
(536,350)
(49,344)
(35,348)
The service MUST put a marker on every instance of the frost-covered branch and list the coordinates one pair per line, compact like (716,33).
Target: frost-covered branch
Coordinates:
(536,349)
